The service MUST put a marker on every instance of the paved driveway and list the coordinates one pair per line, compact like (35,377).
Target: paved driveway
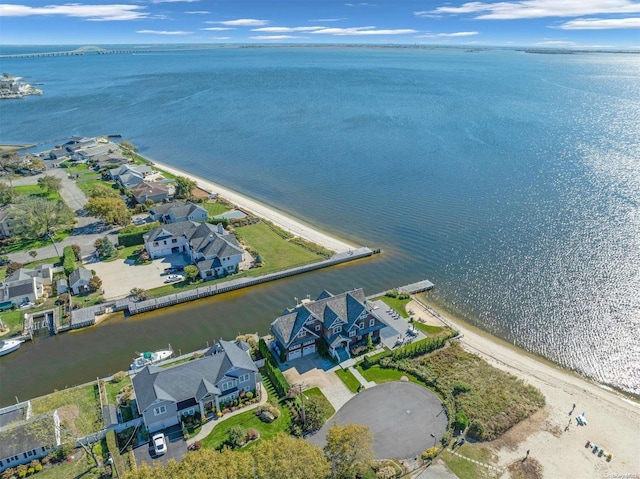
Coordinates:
(176,448)
(120,276)
(404,418)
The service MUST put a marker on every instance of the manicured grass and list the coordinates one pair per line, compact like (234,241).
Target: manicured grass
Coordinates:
(348,379)
(86,183)
(276,252)
(382,375)
(214,208)
(54,260)
(81,402)
(29,244)
(248,420)
(395,303)
(35,190)
(13,320)
(427,328)
(114,388)
(315,392)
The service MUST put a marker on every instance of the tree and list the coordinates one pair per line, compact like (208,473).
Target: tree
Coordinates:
(76,251)
(285,457)
(138,294)
(111,210)
(191,272)
(349,450)
(50,183)
(184,187)
(95,283)
(13,267)
(38,217)
(100,190)
(128,146)
(7,194)
(237,436)
(36,163)
(316,412)
(8,163)
(106,249)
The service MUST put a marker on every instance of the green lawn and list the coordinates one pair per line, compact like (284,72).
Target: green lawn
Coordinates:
(54,260)
(427,328)
(249,420)
(29,244)
(348,379)
(277,253)
(395,303)
(13,319)
(114,388)
(466,469)
(35,190)
(86,182)
(315,392)
(381,375)
(82,400)
(214,208)
(76,469)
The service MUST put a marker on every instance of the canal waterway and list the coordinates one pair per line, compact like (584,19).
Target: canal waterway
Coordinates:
(510,180)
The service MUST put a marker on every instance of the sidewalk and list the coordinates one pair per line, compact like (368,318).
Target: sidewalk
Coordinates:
(366,384)
(209,425)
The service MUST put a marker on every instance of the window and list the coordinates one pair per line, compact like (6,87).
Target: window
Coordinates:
(155,243)
(189,412)
(164,242)
(337,329)
(361,324)
(317,327)
(174,240)
(244,378)
(352,333)
(159,410)
(359,338)
(372,322)
(302,333)
(227,385)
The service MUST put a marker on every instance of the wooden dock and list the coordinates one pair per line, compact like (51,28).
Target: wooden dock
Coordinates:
(419,287)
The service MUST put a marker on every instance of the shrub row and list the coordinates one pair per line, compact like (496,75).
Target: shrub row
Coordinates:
(114,451)
(68,260)
(412,350)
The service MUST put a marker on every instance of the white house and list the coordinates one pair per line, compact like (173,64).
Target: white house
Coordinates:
(79,281)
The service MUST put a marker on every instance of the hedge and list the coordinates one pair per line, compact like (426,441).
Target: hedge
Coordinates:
(68,260)
(118,461)
(272,370)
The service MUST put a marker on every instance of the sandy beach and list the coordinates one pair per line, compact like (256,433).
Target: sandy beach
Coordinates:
(268,213)
(552,435)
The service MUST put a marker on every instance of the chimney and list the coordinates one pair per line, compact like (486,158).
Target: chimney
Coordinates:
(220,229)
(210,237)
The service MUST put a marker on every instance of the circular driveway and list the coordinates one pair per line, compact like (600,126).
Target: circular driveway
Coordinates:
(404,418)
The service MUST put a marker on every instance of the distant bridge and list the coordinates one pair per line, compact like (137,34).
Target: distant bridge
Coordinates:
(77,51)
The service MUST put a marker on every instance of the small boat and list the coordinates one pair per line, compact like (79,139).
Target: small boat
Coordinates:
(149,357)
(9,345)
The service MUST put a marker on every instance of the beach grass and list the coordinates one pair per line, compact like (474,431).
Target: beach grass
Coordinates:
(277,253)
(348,379)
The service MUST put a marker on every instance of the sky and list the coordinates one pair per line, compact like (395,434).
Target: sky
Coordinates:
(540,23)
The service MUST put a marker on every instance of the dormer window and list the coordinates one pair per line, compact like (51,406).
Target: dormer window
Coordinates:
(337,329)
(302,333)
(372,322)
(361,324)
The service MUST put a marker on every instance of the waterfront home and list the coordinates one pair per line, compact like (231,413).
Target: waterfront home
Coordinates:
(177,211)
(165,395)
(342,322)
(130,175)
(79,281)
(7,214)
(211,248)
(150,191)
(26,285)
(22,441)
(59,154)
(110,160)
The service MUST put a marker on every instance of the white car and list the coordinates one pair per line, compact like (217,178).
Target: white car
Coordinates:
(174,278)
(159,444)
(138,221)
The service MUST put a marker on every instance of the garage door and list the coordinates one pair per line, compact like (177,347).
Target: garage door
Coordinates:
(309,350)
(295,354)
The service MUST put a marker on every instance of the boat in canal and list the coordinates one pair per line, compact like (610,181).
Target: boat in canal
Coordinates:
(9,345)
(149,357)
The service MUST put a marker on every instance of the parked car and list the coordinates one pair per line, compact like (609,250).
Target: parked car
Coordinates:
(174,278)
(139,221)
(159,444)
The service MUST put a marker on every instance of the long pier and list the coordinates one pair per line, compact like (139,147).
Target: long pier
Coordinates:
(77,51)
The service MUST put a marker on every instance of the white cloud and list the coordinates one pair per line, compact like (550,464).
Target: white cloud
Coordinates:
(219,38)
(363,31)
(217,29)
(286,29)
(538,9)
(198,12)
(601,24)
(89,12)
(328,19)
(448,35)
(243,22)
(361,4)
(556,43)
(274,37)
(174,1)
(164,32)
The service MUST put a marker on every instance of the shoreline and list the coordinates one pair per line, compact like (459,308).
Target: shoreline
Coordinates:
(267,212)
(551,434)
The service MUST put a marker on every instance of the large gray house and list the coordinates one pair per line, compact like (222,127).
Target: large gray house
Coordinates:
(342,321)
(164,395)
(177,211)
